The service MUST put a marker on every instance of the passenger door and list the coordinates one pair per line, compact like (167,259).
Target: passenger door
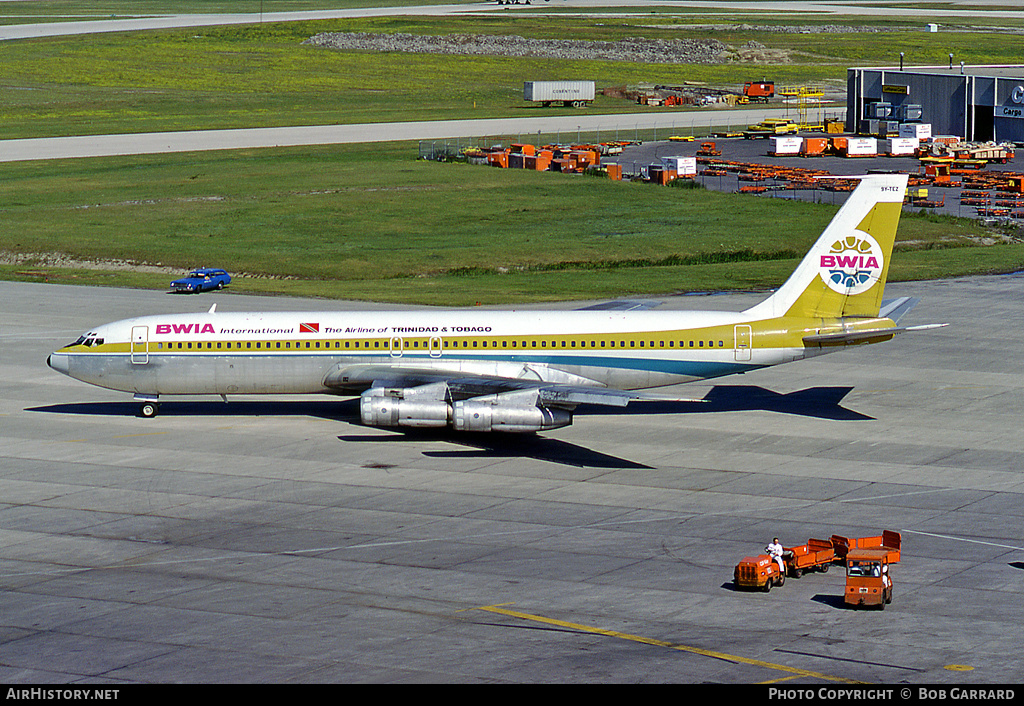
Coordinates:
(744,338)
(140,345)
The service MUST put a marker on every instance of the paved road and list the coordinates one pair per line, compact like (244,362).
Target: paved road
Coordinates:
(999,10)
(275,540)
(188,141)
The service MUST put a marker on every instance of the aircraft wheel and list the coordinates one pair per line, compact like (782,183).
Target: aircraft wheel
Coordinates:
(148,409)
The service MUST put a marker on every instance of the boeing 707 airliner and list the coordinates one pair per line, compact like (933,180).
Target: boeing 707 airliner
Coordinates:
(510,371)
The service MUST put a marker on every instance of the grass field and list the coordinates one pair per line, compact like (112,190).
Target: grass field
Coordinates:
(262,75)
(374,223)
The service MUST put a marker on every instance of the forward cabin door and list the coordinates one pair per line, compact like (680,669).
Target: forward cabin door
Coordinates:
(744,337)
(140,345)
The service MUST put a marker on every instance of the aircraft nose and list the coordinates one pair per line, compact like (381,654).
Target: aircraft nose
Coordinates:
(58,361)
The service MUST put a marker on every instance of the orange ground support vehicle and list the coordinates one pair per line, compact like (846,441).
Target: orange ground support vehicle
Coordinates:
(760,91)
(708,149)
(760,572)
(867,578)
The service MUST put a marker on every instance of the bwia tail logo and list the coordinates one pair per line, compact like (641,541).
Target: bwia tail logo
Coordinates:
(853,264)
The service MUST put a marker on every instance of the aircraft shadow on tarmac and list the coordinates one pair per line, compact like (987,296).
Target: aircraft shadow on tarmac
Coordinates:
(498,446)
(820,402)
(340,410)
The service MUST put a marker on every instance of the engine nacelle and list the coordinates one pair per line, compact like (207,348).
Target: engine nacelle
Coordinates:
(475,415)
(377,409)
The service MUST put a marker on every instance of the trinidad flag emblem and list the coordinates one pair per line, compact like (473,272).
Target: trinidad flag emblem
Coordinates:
(309,328)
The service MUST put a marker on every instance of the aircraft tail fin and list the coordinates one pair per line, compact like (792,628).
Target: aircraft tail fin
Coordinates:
(844,272)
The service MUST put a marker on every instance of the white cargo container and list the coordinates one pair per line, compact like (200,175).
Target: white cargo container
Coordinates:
(785,145)
(568,93)
(901,146)
(920,131)
(682,166)
(861,147)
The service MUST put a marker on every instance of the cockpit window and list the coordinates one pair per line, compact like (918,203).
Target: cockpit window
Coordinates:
(89,340)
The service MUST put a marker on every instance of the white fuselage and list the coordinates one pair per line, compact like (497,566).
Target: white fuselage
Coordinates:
(308,352)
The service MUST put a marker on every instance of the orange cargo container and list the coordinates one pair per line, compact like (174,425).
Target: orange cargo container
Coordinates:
(586,158)
(614,171)
(498,159)
(814,147)
(524,149)
(543,162)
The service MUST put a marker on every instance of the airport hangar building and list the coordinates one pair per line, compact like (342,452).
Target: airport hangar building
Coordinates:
(977,103)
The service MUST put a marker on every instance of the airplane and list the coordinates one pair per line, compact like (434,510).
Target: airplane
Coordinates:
(511,371)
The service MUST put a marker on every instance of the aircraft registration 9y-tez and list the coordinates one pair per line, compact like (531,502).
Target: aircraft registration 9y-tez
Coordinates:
(511,371)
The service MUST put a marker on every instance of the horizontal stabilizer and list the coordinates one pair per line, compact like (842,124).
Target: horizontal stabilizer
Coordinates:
(839,337)
(895,309)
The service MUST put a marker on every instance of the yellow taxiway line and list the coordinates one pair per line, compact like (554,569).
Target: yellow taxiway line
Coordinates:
(794,671)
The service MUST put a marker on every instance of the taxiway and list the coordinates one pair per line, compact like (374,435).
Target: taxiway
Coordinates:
(276,540)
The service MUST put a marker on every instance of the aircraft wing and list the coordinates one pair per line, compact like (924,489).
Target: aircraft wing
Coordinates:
(463,386)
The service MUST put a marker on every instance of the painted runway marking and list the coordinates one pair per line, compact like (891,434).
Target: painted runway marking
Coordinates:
(794,671)
(964,539)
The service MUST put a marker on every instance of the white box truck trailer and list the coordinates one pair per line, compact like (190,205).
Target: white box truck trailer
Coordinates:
(569,93)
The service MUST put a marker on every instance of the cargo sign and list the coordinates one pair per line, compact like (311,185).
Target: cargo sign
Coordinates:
(921,131)
(1006,111)
(892,88)
(683,166)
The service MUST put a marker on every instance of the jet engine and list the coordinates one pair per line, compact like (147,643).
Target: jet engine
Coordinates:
(431,406)
(424,406)
(494,415)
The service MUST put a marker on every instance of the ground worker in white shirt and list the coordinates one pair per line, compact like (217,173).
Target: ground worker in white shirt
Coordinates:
(775,551)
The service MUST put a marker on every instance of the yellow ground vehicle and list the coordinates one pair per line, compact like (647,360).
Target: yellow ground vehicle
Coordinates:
(771,126)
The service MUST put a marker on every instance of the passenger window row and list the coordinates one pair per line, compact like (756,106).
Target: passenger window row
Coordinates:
(447,343)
